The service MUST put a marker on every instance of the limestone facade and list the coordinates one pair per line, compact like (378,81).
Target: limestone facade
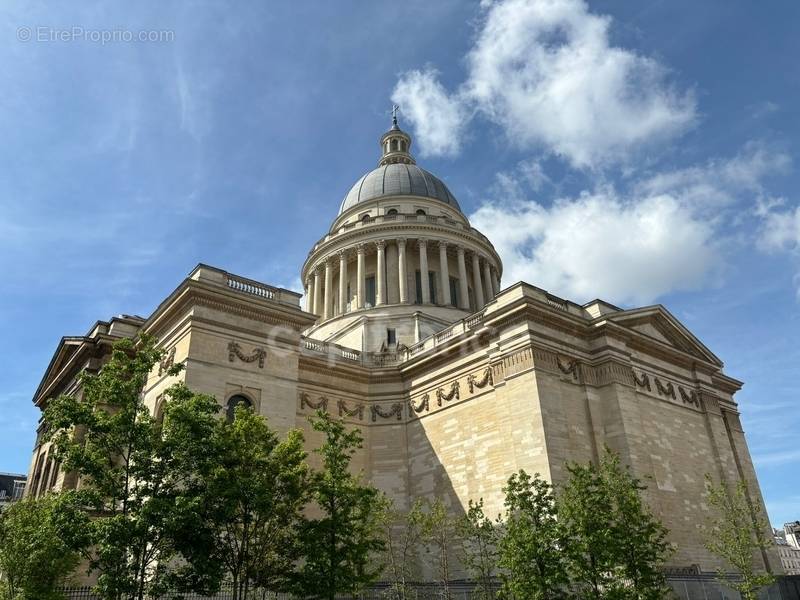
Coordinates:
(474,383)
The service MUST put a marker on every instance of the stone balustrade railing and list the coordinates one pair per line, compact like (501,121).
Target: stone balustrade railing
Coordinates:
(249,286)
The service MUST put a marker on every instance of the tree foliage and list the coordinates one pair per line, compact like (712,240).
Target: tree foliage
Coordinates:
(737,535)
(254,493)
(341,544)
(136,470)
(43,541)
(531,551)
(441,538)
(479,537)
(616,548)
(402,533)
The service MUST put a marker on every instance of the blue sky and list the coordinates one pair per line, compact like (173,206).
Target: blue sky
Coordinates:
(637,153)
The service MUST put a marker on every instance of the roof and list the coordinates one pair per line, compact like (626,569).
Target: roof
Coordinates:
(398,179)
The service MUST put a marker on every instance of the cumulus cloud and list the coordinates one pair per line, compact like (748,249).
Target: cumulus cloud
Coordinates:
(437,118)
(661,234)
(546,73)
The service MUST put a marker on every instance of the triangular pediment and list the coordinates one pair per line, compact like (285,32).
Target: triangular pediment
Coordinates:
(67,348)
(657,323)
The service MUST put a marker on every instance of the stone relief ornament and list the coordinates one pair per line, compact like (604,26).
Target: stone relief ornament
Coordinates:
(569,368)
(666,390)
(643,382)
(486,379)
(321,404)
(424,404)
(357,411)
(235,350)
(689,397)
(454,392)
(167,362)
(396,410)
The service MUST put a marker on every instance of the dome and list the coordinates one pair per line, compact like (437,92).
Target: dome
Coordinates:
(398,179)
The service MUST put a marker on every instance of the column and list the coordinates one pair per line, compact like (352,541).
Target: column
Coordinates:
(309,295)
(495,281)
(463,284)
(423,271)
(392,288)
(487,280)
(360,284)
(380,276)
(402,274)
(477,284)
(343,282)
(327,309)
(444,273)
(317,310)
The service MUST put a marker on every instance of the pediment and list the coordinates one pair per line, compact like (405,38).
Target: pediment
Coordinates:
(67,348)
(657,323)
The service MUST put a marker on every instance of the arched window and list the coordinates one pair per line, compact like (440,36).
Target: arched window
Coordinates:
(391,211)
(420,212)
(402,146)
(394,145)
(235,401)
(365,219)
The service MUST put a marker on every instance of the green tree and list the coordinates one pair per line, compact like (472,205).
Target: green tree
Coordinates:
(616,547)
(340,545)
(531,551)
(479,539)
(736,533)
(132,466)
(402,540)
(255,494)
(440,534)
(43,541)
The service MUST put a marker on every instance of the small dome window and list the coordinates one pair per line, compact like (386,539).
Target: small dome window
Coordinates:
(394,145)
(421,212)
(391,211)
(235,401)
(365,219)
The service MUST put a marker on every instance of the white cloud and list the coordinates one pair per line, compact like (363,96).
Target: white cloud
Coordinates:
(780,230)
(664,233)
(437,118)
(546,73)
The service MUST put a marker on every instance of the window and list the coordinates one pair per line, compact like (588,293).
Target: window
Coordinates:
(391,211)
(391,337)
(431,286)
(370,290)
(454,291)
(235,401)
(403,146)
(394,145)
(365,219)
(420,212)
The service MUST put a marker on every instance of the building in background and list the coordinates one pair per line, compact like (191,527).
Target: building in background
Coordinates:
(788,542)
(12,487)
(455,381)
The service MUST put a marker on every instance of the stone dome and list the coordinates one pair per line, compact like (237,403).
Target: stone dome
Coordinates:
(398,179)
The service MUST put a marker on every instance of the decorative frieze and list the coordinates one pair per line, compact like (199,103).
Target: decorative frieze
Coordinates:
(485,380)
(423,406)
(667,390)
(235,351)
(689,397)
(568,368)
(454,393)
(395,410)
(321,404)
(642,381)
(356,411)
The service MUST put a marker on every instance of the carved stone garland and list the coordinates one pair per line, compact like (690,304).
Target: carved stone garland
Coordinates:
(235,350)
(167,362)
(424,404)
(305,400)
(666,390)
(689,397)
(486,380)
(644,382)
(396,410)
(357,411)
(453,393)
(569,368)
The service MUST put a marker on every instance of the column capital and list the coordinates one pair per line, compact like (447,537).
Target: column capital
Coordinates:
(342,253)
(442,244)
(361,248)
(423,243)
(401,242)
(459,249)
(380,244)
